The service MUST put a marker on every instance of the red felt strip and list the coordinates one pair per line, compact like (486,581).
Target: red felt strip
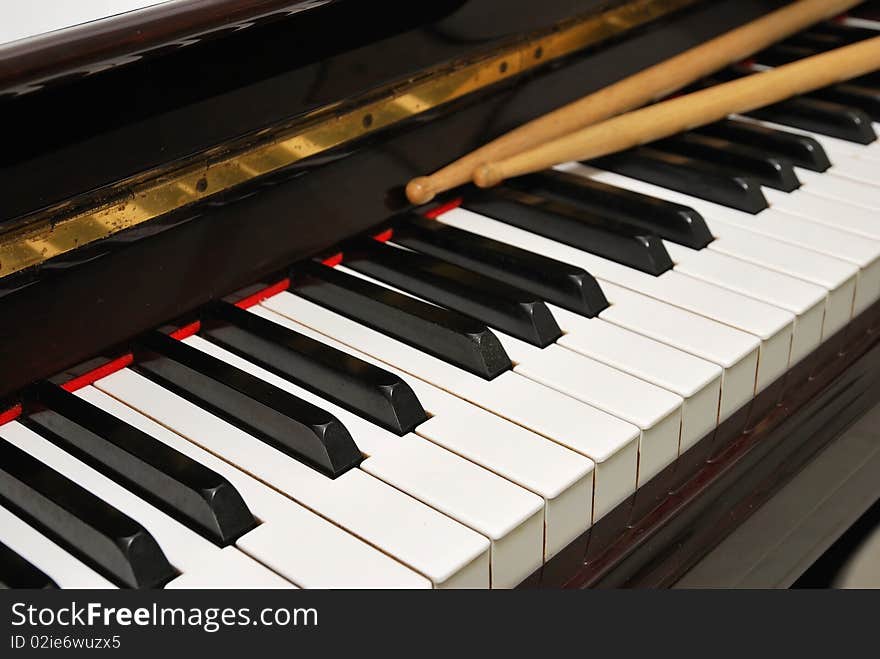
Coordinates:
(96,374)
(443,208)
(334,260)
(384,236)
(259,296)
(11,414)
(186,330)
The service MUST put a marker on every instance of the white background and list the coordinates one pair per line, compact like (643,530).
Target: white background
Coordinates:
(24,18)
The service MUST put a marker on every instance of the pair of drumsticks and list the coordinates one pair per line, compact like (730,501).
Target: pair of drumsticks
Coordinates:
(596,125)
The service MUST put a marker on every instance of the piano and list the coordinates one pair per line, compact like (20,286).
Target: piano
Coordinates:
(232,355)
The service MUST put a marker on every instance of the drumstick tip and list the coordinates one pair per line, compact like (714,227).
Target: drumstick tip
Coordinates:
(488,175)
(420,191)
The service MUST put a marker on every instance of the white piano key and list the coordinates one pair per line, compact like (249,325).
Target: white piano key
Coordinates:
(474,434)
(511,517)
(837,277)
(839,192)
(449,554)
(232,569)
(184,548)
(655,411)
(855,21)
(63,568)
(861,170)
(561,477)
(806,301)
(844,245)
(611,443)
(313,555)
(770,324)
(735,351)
(834,210)
(293,541)
(851,171)
(813,236)
(695,380)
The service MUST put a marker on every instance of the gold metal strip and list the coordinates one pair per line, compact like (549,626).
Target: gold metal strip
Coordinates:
(143,198)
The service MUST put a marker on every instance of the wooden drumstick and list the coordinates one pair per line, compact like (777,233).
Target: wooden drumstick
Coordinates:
(690,111)
(647,85)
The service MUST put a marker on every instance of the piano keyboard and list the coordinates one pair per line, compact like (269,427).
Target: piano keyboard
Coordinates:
(457,400)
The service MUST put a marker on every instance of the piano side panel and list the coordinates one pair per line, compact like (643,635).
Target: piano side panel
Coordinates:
(806,527)
(721,494)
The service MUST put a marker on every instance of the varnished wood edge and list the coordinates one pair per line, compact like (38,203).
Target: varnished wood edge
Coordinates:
(28,63)
(131,202)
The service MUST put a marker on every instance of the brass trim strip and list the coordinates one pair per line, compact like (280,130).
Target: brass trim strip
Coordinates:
(143,198)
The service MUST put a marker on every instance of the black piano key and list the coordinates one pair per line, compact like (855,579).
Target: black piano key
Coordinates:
(565,285)
(506,308)
(446,334)
(865,98)
(868,80)
(738,159)
(692,176)
(782,53)
(820,40)
(290,424)
(673,222)
(845,34)
(727,74)
(855,93)
(814,41)
(862,93)
(185,489)
(365,389)
(801,150)
(17,572)
(598,234)
(823,117)
(87,526)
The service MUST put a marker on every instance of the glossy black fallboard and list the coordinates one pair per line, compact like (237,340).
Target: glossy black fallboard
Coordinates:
(367,390)
(73,308)
(562,284)
(174,101)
